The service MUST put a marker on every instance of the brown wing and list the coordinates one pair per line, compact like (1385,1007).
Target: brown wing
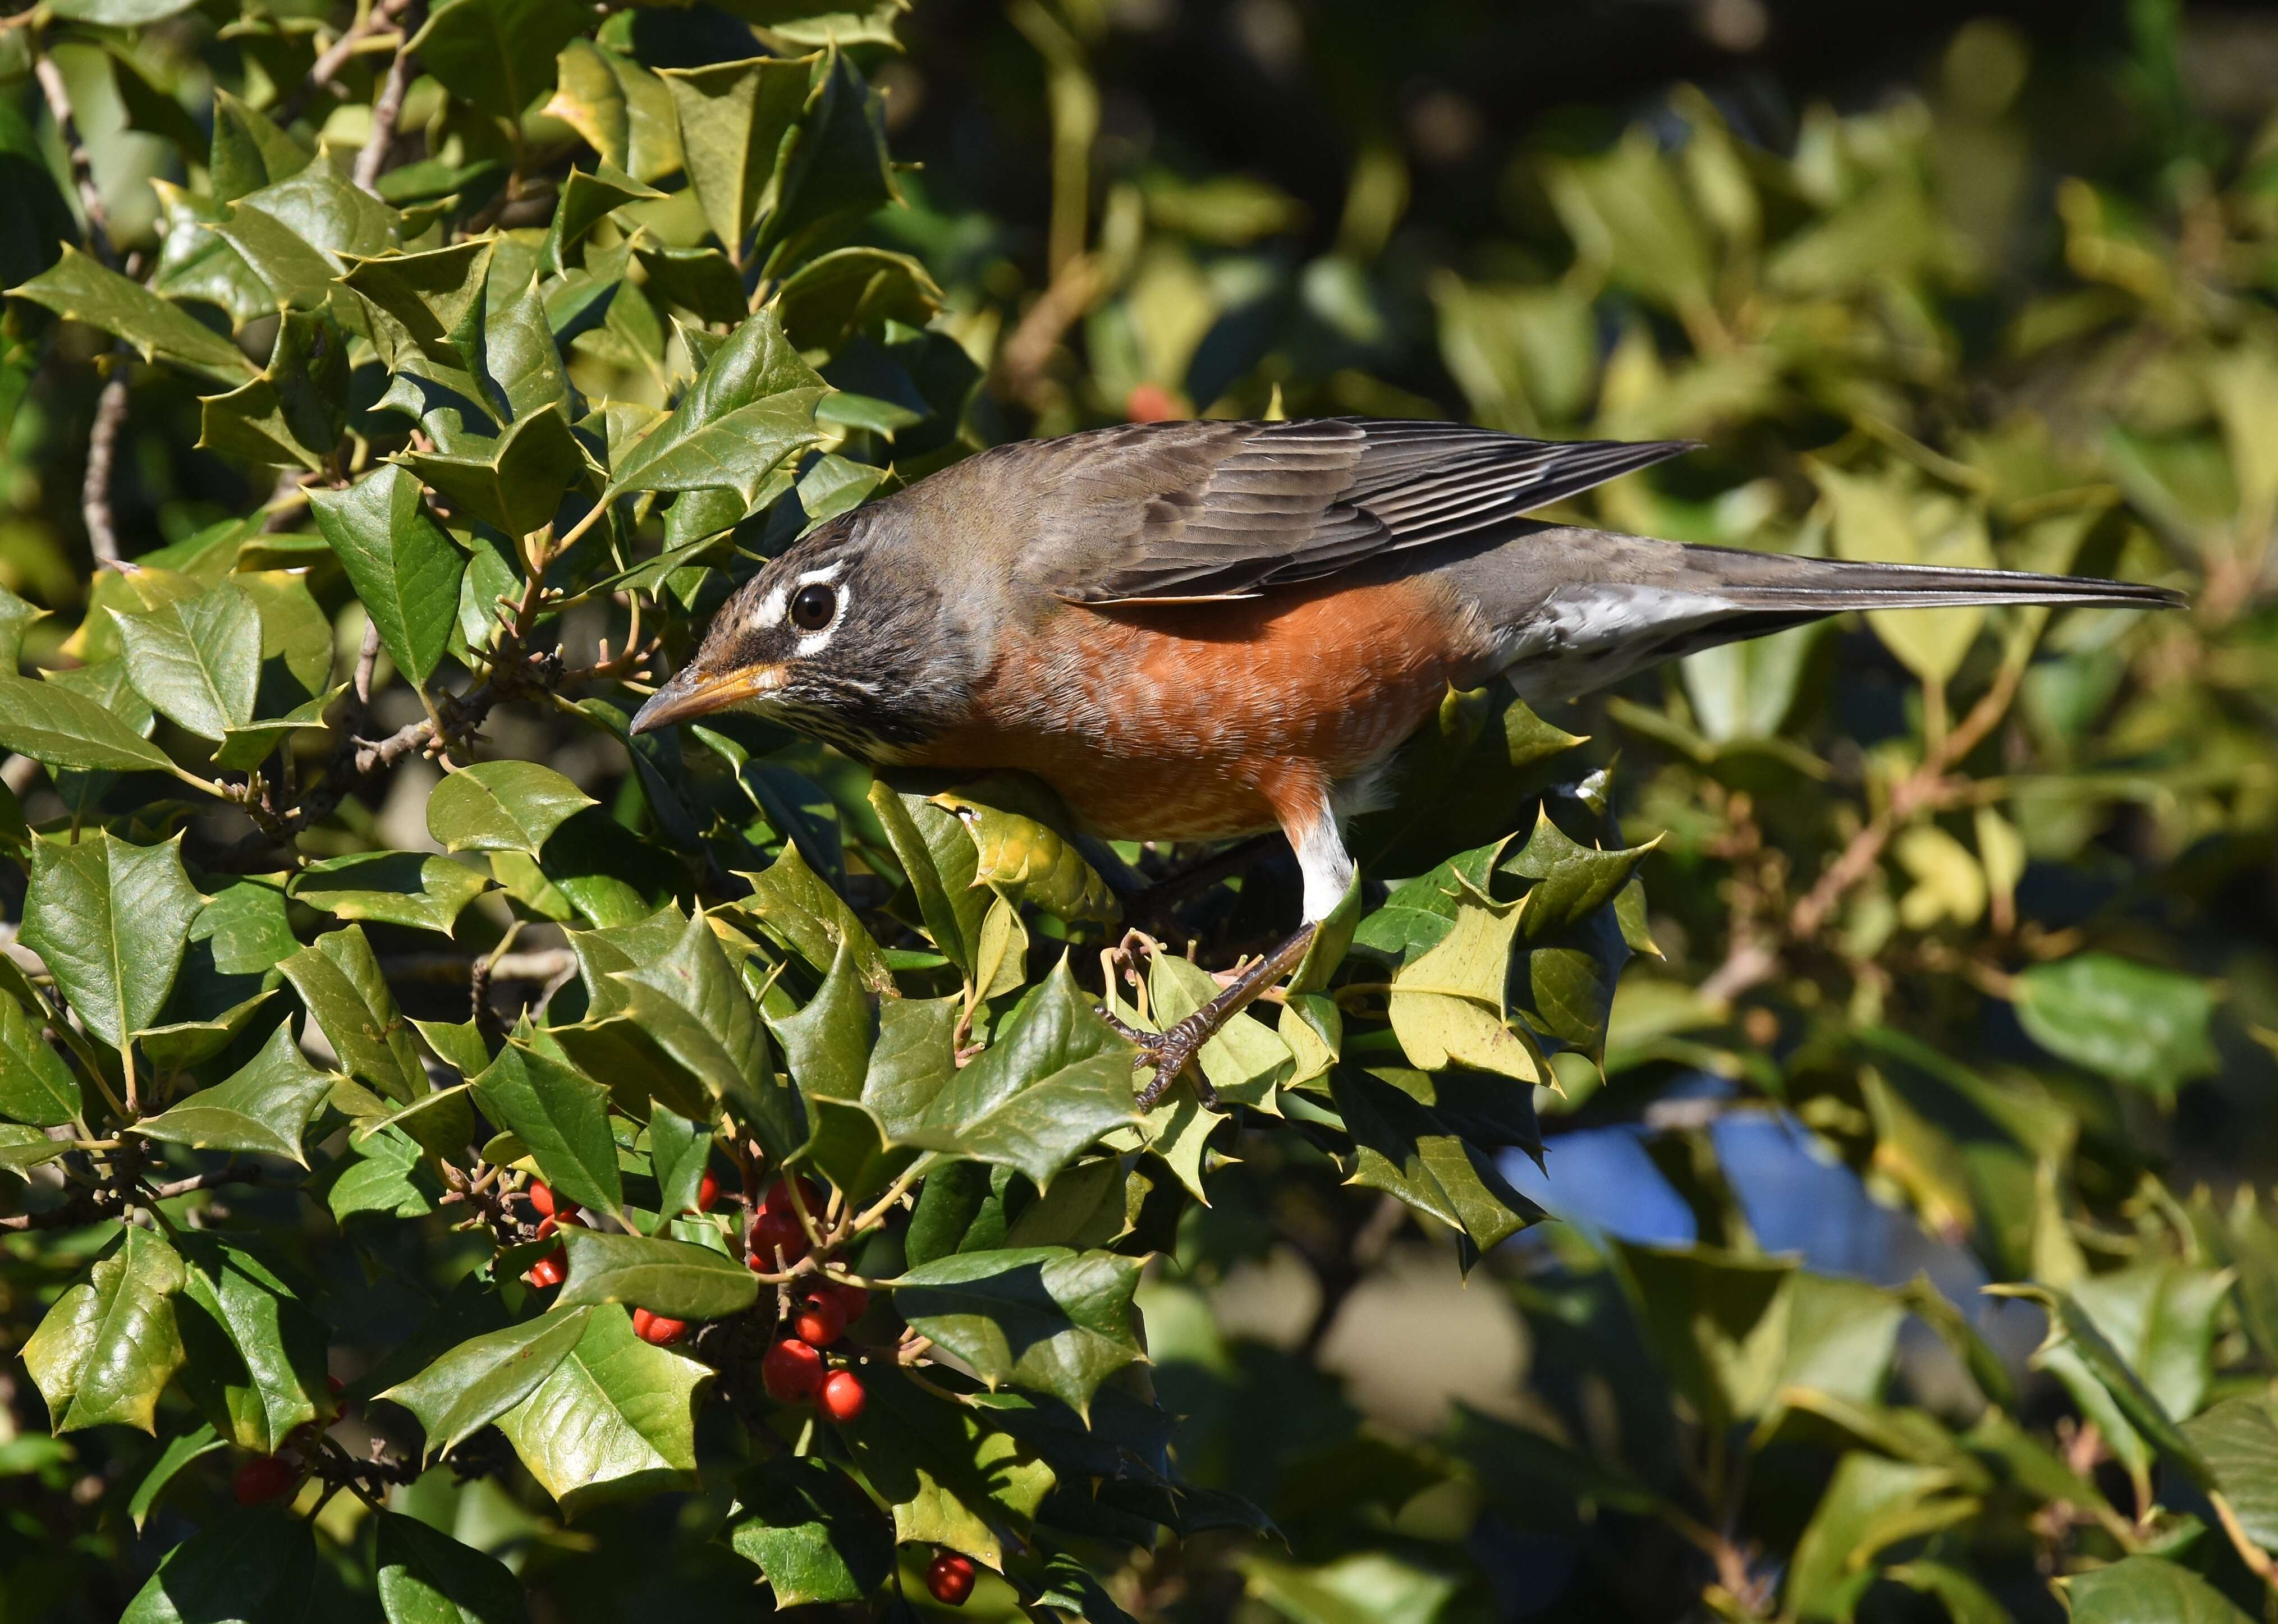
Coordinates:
(1177,512)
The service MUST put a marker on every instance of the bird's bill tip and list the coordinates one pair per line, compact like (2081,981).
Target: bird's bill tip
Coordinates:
(697,692)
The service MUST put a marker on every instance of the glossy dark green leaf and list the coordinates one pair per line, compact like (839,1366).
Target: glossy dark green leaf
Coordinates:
(81,290)
(517,481)
(379,1175)
(111,1342)
(295,411)
(179,1451)
(197,660)
(1053,1081)
(796,907)
(427,1577)
(36,1086)
(111,919)
(836,295)
(499,54)
(826,1045)
(616,1418)
(562,1116)
(416,890)
(340,985)
(436,295)
(750,407)
(678,1149)
(502,806)
(736,125)
(263,1107)
(1041,1317)
(482,1378)
(948,1478)
(403,569)
(815,1536)
(64,730)
(250,1566)
(691,1004)
(1405,1146)
(248,150)
(254,1353)
(671,1277)
(840,171)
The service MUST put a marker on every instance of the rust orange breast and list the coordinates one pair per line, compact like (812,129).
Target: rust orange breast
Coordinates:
(1214,718)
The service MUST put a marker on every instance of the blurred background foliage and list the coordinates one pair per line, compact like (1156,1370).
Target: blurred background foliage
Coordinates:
(1968,973)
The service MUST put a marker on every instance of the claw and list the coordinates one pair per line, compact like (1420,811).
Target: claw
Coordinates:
(1168,1053)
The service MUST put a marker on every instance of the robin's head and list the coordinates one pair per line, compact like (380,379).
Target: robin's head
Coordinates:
(842,638)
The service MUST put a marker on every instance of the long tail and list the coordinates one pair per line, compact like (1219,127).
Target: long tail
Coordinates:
(1579,609)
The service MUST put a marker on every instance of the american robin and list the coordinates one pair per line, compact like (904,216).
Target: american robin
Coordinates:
(1195,629)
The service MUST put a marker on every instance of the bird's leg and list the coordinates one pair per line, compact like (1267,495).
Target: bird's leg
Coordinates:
(1172,1051)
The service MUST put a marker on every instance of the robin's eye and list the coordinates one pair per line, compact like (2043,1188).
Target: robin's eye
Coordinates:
(813,607)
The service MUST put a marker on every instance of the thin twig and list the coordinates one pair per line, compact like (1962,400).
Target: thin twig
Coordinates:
(326,67)
(82,168)
(101,451)
(1927,788)
(373,159)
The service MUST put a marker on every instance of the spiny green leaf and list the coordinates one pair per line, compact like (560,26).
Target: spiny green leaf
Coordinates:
(65,730)
(36,1087)
(404,569)
(615,1420)
(340,985)
(254,1353)
(502,806)
(263,1107)
(562,1116)
(424,1576)
(107,1348)
(197,659)
(414,889)
(814,1535)
(1041,1317)
(483,1377)
(671,1277)
(111,919)
(80,289)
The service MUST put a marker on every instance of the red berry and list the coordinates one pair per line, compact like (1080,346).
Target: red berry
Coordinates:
(656,1330)
(335,1386)
(551,1269)
(1152,403)
(853,1301)
(550,1204)
(949,1578)
(790,1371)
(820,1319)
(842,1396)
(778,1231)
(546,1226)
(707,1191)
(263,1479)
(778,1199)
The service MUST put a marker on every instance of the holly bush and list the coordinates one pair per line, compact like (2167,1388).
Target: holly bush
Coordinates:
(471,1162)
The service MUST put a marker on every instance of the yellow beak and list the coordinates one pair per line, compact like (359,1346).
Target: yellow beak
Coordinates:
(697,692)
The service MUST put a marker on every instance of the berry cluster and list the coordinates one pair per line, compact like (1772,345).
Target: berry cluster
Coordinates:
(794,1369)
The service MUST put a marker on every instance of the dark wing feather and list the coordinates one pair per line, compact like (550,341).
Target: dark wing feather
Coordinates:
(1178,512)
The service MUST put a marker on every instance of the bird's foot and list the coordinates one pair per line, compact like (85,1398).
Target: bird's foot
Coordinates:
(1170,1054)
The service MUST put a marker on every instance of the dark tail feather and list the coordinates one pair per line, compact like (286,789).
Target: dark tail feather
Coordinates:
(1775,583)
